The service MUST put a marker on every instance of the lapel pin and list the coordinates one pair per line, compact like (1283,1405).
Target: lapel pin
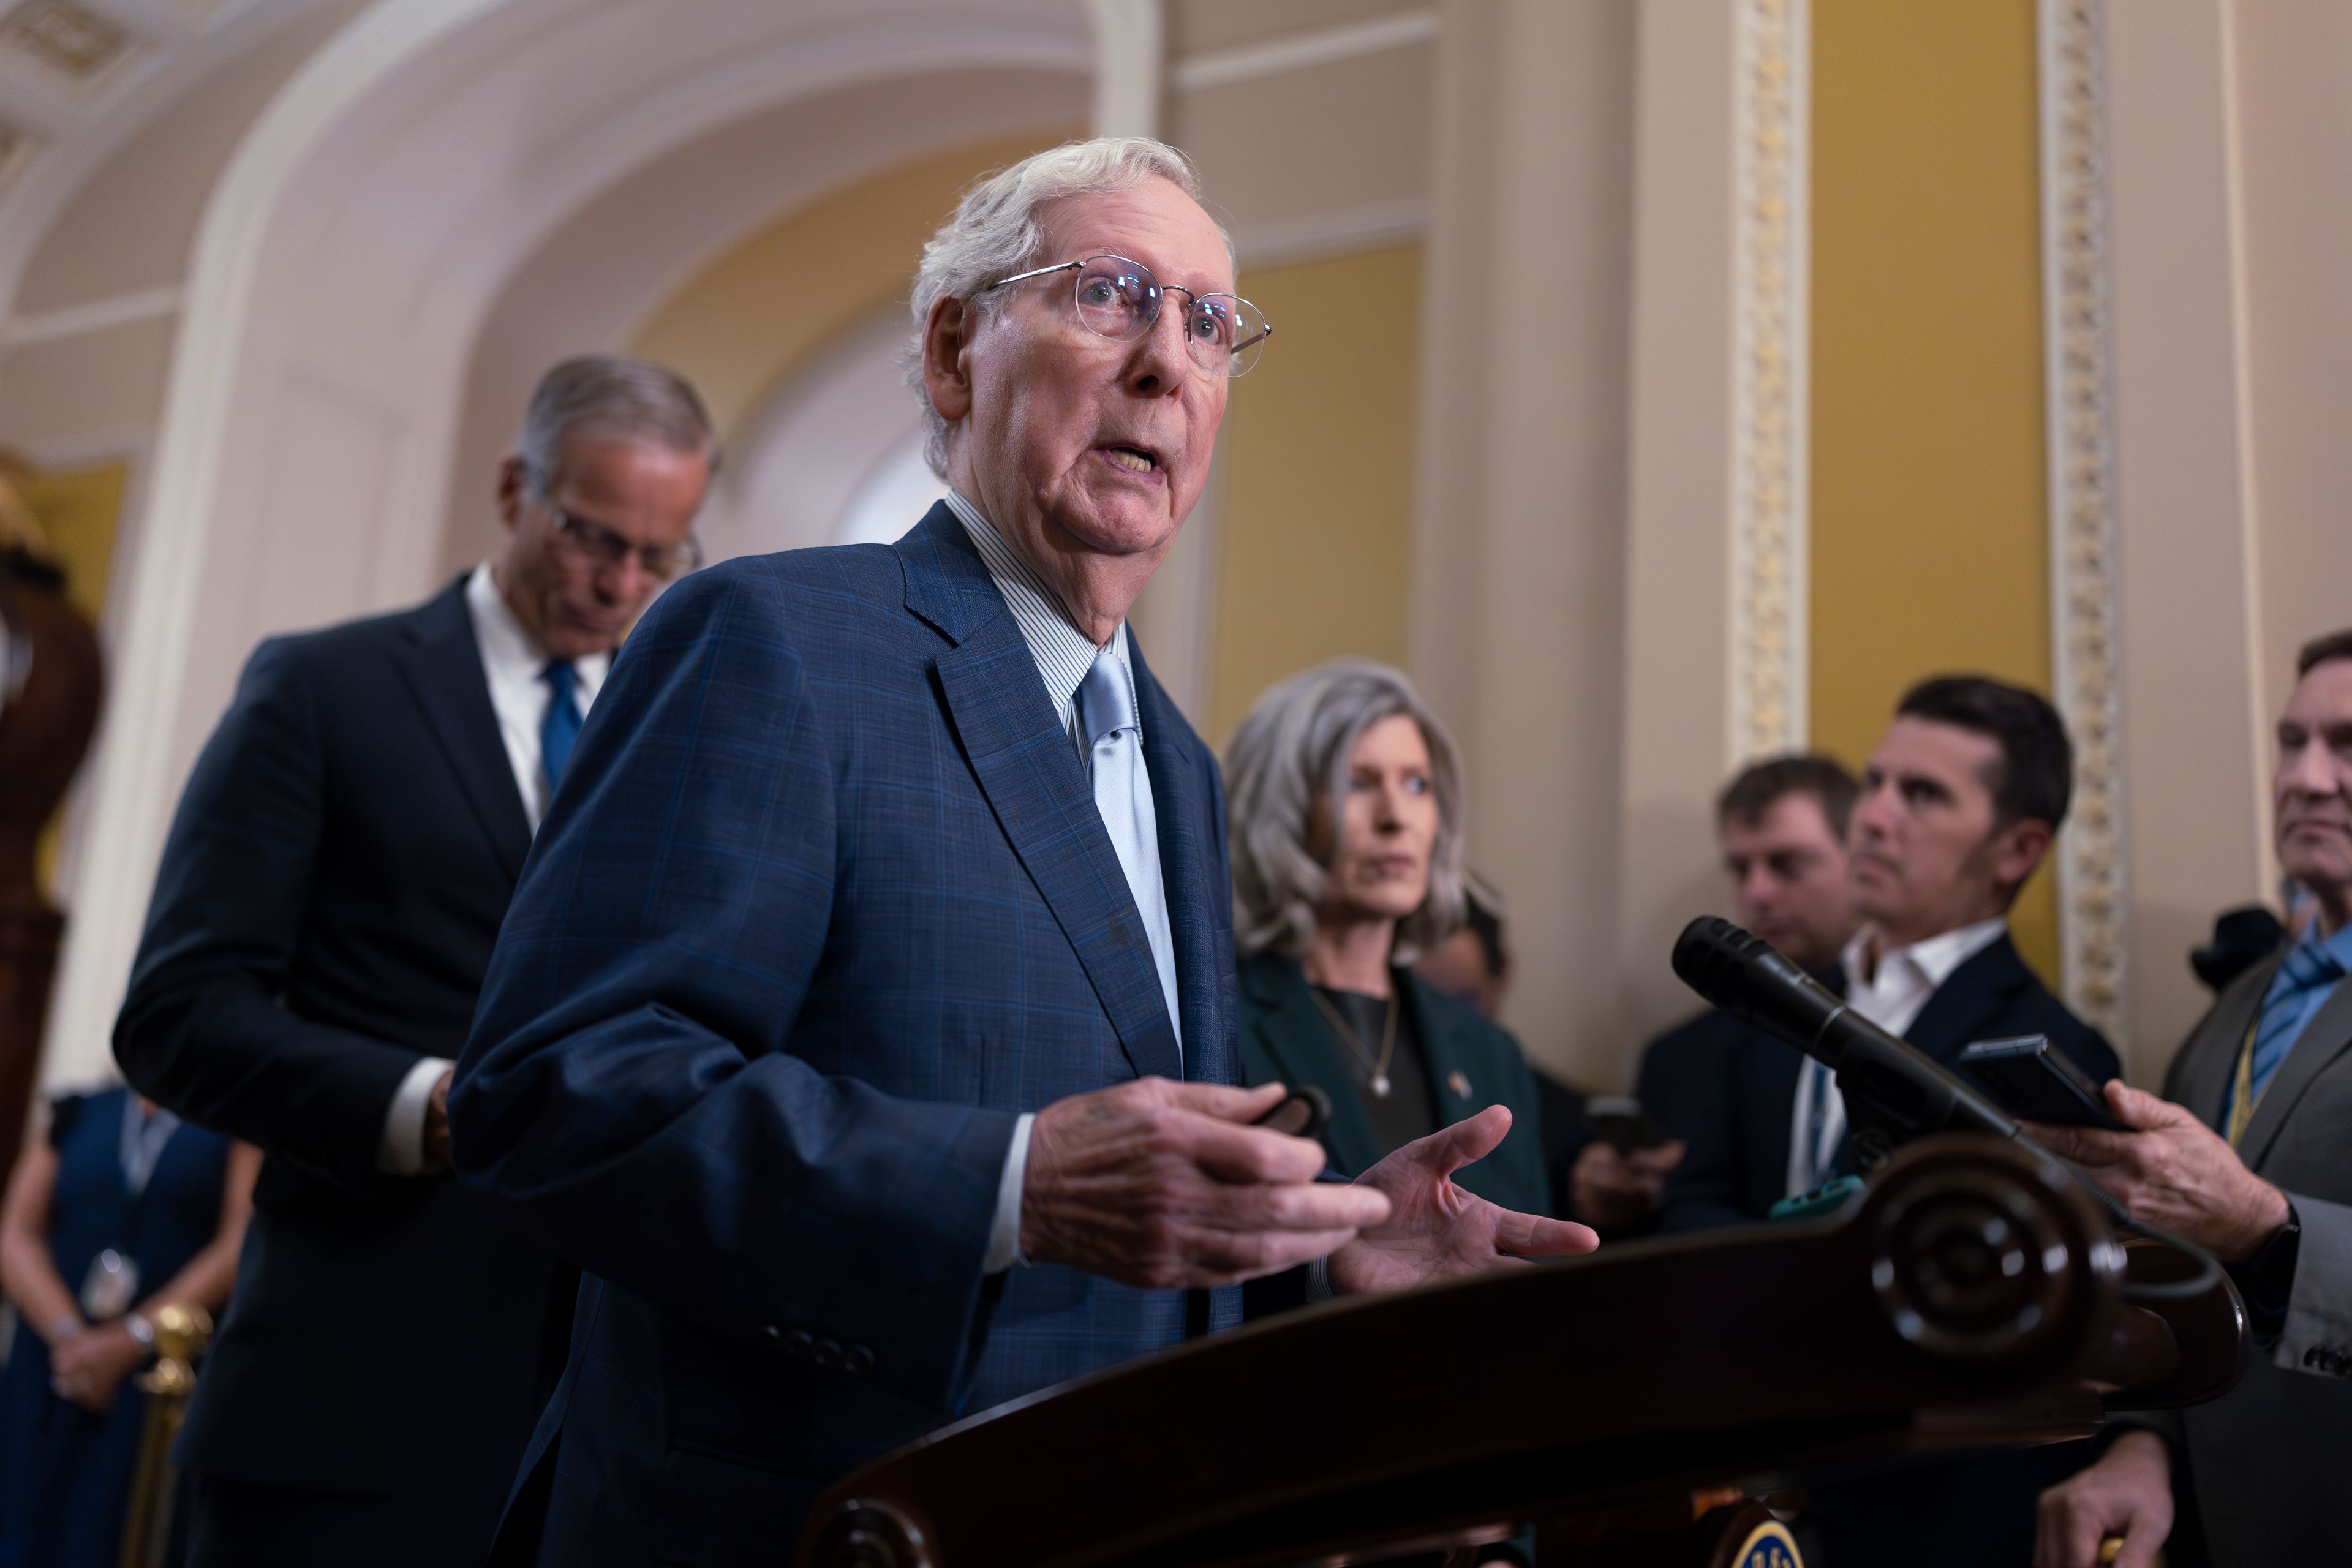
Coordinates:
(1458,1083)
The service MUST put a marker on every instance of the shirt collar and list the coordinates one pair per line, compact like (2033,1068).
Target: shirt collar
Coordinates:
(1934,959)
(1064,654)
(2337,947)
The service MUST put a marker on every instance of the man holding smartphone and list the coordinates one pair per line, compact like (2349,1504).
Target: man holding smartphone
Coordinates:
(2245,1155)
(1960,802)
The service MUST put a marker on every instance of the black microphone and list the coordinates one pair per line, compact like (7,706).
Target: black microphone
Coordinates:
(1894,1092)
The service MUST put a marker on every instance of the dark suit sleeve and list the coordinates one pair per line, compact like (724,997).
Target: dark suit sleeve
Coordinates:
(203,1030)
(1692,1088)
(629,1082)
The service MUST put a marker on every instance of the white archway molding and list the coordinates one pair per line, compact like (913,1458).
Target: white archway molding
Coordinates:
(341,273)
(823,450)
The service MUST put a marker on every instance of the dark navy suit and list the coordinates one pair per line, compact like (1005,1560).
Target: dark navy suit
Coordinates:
(823,903)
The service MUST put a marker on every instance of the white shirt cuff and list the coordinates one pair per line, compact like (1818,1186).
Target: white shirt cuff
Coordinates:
(1004,1232)
(402,1151)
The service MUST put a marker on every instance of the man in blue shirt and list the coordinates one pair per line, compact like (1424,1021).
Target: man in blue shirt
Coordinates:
(2247,1155)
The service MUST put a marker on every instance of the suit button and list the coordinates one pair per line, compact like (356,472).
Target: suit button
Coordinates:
(798,1343)
(857,1361)
(827,1353)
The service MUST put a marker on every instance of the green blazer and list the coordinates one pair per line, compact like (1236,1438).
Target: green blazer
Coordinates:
(1285,1038)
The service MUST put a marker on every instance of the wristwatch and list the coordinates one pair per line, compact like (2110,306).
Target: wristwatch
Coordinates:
(140,1331)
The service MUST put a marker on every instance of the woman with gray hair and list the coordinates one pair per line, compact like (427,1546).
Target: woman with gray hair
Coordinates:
(1346,826)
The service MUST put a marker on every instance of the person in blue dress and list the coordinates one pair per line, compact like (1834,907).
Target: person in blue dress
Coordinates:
(119,1211)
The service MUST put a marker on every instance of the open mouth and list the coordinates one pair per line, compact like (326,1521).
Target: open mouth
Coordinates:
(1134,459)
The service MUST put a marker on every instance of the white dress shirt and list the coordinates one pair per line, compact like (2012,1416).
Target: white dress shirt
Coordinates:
(512,665)
(1890,998)
(1064,655)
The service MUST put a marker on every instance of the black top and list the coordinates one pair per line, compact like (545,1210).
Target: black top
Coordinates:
(1408,1110)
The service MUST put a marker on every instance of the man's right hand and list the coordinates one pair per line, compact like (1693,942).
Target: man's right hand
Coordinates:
(1166,1186)
(2127,1493)
(1610,1191)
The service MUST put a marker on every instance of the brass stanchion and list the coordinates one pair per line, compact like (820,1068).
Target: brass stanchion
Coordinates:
(180,1336)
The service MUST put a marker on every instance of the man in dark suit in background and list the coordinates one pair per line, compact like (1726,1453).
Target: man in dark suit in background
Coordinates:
(1960,802)
(865,1025)
(1722,1088)
(328,900)
(2247,1155)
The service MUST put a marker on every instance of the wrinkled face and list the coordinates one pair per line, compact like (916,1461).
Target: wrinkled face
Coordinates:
(2312,795)
(1927,857)
(1078,443)
(571,596)
(1788,881)
(1376,852)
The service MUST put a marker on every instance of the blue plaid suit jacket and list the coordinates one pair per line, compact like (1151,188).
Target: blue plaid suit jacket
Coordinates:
(823,905)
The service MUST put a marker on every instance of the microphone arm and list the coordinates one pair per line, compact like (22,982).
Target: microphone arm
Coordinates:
(1894,1092)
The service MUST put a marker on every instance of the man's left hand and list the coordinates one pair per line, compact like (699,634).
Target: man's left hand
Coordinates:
(1437,1231)
(2173,1170)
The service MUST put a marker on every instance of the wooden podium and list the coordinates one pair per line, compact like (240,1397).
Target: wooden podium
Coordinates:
(1972,1297)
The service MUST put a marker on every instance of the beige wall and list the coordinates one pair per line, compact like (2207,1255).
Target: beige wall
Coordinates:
(1519,562)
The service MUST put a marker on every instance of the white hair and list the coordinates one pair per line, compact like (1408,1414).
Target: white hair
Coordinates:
(620,399)
(1292,751)
(994,233)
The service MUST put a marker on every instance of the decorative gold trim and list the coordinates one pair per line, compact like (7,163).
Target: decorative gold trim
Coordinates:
(2078,355)
(1768,707)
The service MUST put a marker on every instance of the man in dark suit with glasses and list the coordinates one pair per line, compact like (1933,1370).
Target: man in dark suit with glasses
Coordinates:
(335,877)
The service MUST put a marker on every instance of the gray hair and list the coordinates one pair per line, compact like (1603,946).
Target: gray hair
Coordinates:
(1292,751)
(619,399)
(995,233)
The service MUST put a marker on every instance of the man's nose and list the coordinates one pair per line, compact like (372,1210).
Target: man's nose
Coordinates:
(1160,361)
(2309,770)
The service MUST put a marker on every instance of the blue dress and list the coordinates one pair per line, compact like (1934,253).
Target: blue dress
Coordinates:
(65,1474)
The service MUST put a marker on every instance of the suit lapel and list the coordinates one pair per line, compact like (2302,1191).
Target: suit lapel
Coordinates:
(1035,784)
(1772,1110)
(1193,884)
(1968,1000)
(2325,1039)
(443,666)
(1443,1047)
(1291,1029)
(2209,1060)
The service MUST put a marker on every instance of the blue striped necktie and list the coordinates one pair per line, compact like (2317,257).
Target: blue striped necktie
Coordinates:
(2307,968)
(560,727)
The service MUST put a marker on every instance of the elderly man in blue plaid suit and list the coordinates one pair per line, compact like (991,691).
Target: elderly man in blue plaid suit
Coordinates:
(863,1024)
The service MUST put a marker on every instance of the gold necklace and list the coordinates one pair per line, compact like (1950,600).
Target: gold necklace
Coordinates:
(1354,1042)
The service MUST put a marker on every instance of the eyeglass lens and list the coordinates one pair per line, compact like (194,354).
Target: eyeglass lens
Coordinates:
(1120,300)
(600,546)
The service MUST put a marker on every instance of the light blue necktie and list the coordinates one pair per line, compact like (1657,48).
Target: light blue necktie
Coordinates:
(561,725)
(1114,743)
(2286,1008)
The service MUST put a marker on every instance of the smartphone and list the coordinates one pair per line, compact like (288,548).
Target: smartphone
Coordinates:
(1623,1121)
(1304,1112)
(2033,1081)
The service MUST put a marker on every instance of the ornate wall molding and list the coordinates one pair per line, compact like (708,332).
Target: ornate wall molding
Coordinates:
(2078,354)
(1770,383)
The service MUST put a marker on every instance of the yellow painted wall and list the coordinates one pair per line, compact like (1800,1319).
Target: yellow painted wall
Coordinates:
(78,511)
(1929,529)
(1314,529)
(742,323)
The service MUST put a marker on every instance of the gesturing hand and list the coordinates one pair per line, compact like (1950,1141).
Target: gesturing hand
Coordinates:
(2174,1171)
(1166,1186)
(1435,1230)
(2128,1493)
